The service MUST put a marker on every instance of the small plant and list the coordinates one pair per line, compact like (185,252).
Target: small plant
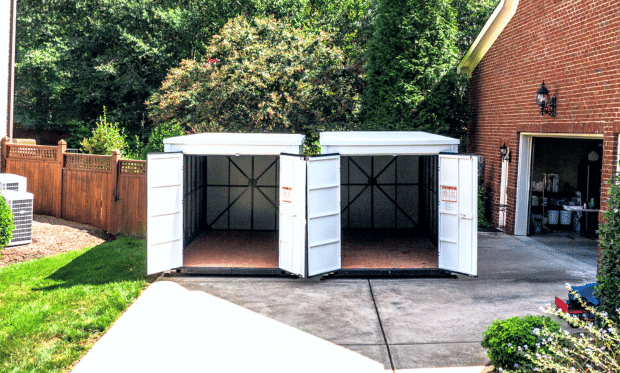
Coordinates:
(595,349)
(6,223)
(105,138)
(482,221)
(608,288)
(507,339)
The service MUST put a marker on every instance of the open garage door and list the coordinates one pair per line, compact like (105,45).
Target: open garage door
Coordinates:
(458,213)
(309,209)
(164,225)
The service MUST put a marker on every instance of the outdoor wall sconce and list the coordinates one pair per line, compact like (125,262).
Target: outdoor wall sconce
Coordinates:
(504,152)
(545,103)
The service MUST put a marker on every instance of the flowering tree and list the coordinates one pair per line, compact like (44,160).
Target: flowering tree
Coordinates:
(262,75)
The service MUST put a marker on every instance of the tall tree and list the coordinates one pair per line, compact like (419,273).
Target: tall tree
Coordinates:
(412,48)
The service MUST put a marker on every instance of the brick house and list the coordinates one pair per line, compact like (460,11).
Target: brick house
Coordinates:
(574,47)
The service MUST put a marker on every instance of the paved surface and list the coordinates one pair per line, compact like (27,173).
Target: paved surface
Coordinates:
(335,325)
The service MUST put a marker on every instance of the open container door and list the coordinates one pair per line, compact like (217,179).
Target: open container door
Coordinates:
(164,209)
(458,213)
(323,212)
(292,214)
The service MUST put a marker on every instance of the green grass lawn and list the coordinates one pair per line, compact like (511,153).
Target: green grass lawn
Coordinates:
(53,309)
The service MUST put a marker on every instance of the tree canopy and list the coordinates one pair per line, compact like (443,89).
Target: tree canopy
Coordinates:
(263,76)
(76,56)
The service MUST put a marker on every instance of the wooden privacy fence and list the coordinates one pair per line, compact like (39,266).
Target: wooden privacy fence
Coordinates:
(101,190)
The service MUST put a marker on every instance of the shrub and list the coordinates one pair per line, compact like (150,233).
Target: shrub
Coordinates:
(596,348)
(482,221)
(608,288)
(6,223)
(161,132)
(105,138)
(261,75)
(506,339)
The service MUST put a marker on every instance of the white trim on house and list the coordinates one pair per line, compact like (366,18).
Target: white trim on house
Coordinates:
(490,32)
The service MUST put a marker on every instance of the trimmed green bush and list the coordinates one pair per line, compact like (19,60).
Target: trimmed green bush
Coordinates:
(6,223)
(508,339)
(609,272)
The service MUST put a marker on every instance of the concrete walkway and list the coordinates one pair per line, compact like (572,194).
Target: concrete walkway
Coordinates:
(245,324)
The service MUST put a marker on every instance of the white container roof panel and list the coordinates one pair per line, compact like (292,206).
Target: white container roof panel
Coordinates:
(386,143)
(235,143)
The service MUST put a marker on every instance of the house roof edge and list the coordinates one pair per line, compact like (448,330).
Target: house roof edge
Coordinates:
(490,32)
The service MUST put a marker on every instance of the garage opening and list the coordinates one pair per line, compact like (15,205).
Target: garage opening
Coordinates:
(565,175)
(230,214)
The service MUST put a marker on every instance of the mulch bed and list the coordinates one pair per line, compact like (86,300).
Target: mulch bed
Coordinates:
(52,236)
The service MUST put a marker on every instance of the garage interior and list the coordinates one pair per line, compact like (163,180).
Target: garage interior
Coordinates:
(389,212)
(565,172)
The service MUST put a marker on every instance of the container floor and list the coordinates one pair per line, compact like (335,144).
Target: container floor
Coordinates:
(233,249)
(389,248)
(361,249)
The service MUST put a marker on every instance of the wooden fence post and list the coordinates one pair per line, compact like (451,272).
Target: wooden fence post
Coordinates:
(5,150)
(114,171)
(57,189)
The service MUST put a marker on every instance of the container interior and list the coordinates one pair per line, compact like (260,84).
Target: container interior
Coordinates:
(389,211)
(230,211)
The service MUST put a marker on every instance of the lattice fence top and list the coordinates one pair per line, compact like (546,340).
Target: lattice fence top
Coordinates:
(133,167)
(88,162)
(32,152)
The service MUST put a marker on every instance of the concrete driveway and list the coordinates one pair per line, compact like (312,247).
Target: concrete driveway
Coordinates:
(400,323)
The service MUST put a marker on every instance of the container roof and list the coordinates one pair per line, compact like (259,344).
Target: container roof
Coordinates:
(388,143)
(235,143)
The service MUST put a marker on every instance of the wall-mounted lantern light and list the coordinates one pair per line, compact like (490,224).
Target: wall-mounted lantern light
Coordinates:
(545,103)
(504,152)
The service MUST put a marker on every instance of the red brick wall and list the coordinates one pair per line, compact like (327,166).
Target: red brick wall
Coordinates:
(574,46)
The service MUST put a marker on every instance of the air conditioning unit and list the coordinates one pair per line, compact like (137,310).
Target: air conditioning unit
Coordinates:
(13,182)
(20,204)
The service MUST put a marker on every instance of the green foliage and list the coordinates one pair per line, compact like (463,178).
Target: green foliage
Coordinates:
(262,75)
(53,308)
(161,132)
(506,339)
(105,138)
(412,49)
(609,271)
(482,221)
(76,56)
(349,21)
(6,223)
(411,59)
(472,15)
